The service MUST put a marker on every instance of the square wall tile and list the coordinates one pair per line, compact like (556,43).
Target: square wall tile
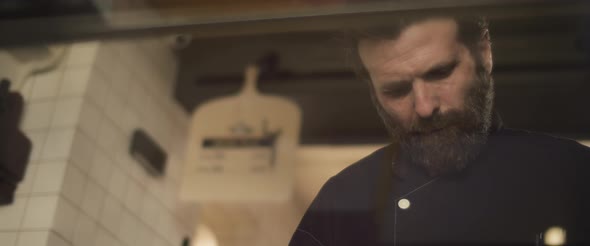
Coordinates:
(8,238)
(120,78)
(134,196)
(58,144)
(108,134)
(138,98)
(33,238)
(11,216)
(156,187)
(26,88)
(67,112)
(98,90)
(145,235)
(139,173)
(82,54)
(101,170)
(110,217)
(46,85)
(26,185)
(73,184)
(37,138)
(55,239)
(75,81)
(49,177)
(128,229)
(131,119)
(84,231)
(107,58)
(93,200)
(104,238)
(116,109)
(38,115)
(39,212)
(158,241)
(118,184)
(65,219)
(90,118)
(150,209)
(171,194)
(82,152)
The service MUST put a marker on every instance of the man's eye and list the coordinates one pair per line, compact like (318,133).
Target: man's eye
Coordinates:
(398,92)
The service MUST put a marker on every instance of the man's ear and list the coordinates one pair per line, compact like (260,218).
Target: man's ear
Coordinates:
(485,49)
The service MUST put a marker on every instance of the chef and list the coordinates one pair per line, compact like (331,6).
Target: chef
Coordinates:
(452,174)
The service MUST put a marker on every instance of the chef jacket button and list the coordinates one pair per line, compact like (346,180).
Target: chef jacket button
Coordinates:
(403,203)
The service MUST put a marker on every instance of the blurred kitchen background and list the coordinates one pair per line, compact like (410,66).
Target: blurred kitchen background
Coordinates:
(94,72)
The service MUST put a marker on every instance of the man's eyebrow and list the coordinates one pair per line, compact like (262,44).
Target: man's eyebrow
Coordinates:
(442,65)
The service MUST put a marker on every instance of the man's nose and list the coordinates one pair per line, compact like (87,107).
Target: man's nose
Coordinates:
(426,101)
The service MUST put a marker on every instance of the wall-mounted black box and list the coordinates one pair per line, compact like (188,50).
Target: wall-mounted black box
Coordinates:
(147,152)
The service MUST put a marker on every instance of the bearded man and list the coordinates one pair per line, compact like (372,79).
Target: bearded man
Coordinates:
(452,174)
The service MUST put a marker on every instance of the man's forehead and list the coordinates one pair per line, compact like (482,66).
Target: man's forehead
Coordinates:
(416,47)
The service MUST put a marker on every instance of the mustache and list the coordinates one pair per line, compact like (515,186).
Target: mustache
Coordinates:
(437,122)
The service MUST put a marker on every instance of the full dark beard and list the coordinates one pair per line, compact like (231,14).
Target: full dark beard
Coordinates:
(446,143)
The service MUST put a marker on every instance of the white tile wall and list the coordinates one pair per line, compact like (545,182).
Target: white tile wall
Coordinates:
(84,231)
(150,210)
(108,136)
(158,241)
(37,138)
(93,200)
(75,81)
(145,235)
(67,112)
(118,184)
(90,118)
(12,215)
(82,54)
(104,238)
(40,212)
(59,142)
(121,78)
(56,240)
(83,150)
(134,196)
(8,238)
(81,186)
(129,228)
(49,178)
(73,184)
(98,90)
(26,185)
(65,219)
(111,214)
(131,119)
(38,115)
(47,85)
(101,170)
(33,238)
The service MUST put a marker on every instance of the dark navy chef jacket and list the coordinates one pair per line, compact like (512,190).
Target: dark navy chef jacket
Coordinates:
(520,185)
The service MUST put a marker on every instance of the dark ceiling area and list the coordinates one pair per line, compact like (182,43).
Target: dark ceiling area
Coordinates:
(541,53)
(541,73)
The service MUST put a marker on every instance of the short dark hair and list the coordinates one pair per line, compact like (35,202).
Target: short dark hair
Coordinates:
(472,30)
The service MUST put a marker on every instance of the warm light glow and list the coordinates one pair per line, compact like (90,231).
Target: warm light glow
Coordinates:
(555,236)
(404,203)
(204,237)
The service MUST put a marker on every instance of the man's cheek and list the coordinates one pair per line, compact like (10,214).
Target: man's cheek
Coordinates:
(454,98)
(400,119)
